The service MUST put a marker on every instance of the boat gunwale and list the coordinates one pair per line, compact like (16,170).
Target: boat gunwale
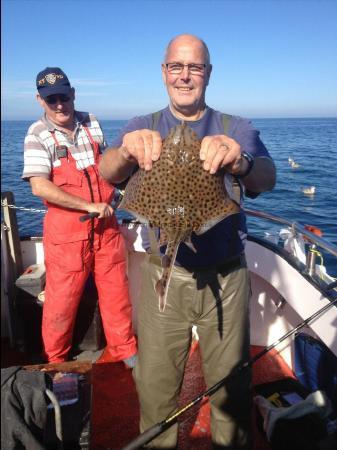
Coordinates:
(296,228)
(301,268)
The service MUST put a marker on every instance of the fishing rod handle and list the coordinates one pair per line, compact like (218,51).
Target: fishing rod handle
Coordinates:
(88,216)
(145,437)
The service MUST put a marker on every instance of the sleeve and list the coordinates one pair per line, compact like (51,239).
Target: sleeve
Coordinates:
(248,138)
(137,123)
(103,144)
(37,161)
(96,130)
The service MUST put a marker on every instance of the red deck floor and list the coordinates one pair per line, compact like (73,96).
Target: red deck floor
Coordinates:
(115,411)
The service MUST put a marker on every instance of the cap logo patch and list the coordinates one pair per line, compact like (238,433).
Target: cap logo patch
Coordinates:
(51,78)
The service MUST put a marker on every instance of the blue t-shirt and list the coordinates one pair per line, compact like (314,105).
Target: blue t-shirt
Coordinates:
(226,239)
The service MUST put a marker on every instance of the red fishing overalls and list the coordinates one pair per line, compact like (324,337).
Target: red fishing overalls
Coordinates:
(73,249)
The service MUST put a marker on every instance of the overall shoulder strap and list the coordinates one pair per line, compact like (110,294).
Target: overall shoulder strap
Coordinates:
(226,118)
(155,120)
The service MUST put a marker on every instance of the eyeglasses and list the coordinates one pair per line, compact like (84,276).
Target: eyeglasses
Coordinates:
(177,68)
(53,99)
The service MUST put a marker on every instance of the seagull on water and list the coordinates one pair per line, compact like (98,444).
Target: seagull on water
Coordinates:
(309,190)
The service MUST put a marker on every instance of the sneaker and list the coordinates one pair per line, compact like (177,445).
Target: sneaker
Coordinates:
(130,362)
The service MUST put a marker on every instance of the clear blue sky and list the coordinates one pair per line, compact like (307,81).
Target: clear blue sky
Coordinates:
(271,58)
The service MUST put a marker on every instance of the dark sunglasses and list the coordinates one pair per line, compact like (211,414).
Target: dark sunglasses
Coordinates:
(53,99)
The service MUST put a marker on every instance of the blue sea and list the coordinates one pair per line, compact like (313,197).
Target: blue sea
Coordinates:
(311,142)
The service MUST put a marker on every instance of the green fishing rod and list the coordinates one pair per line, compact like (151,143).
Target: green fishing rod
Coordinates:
(160,427)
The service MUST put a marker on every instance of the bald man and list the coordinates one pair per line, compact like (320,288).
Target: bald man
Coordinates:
(209,287)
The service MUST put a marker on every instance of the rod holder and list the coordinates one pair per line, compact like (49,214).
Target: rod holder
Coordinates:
(311,259)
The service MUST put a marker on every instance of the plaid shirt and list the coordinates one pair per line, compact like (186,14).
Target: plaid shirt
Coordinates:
(40,147)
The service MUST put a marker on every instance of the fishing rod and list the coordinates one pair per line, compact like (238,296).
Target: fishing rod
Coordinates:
(92,215)
(160,427)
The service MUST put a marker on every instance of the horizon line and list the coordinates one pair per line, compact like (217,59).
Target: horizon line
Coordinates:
(249,118)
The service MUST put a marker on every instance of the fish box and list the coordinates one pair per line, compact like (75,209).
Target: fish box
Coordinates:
(33,279)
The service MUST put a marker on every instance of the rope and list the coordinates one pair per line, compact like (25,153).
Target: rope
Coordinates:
(22,208)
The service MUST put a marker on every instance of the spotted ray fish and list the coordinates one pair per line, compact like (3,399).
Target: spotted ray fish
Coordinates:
(178,196)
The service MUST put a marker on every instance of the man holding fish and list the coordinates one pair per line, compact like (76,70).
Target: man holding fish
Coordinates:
(209,282)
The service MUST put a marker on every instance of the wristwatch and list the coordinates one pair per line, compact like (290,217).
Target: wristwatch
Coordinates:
(250,159)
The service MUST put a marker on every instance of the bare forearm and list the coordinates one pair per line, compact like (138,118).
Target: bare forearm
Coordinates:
(262,177)
(114,166)
(48,191)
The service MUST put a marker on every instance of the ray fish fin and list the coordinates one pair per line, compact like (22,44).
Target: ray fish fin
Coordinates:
(190,244)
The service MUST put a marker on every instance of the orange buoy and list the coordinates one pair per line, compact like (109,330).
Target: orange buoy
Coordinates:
(313,230)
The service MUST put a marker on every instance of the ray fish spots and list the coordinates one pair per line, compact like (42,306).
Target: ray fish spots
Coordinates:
(178,196)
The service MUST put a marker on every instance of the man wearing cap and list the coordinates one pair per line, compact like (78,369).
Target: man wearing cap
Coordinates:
(61,154)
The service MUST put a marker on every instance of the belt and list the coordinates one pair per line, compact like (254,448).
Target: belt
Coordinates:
(226,266)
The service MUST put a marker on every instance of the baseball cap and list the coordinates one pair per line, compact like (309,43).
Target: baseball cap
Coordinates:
(52,80)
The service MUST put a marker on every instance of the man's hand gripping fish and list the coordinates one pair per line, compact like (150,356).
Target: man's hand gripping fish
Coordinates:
(179,197)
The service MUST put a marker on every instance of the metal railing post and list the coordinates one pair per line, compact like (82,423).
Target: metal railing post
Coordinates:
(12,229)
(311,259)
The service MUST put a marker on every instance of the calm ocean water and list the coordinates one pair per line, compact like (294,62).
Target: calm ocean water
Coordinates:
(312,143)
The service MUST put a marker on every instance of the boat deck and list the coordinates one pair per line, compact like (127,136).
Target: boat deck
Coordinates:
(115,408)
(115,412)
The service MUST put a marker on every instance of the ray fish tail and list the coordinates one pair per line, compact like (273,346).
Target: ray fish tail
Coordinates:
(167,261)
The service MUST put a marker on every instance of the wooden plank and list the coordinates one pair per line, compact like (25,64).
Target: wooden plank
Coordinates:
(68,366)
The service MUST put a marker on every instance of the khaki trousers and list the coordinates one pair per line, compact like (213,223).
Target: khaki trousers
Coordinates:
(218,304)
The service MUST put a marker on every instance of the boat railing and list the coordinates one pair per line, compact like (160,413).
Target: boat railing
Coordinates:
(8,204)
(296,229)
(300,230)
